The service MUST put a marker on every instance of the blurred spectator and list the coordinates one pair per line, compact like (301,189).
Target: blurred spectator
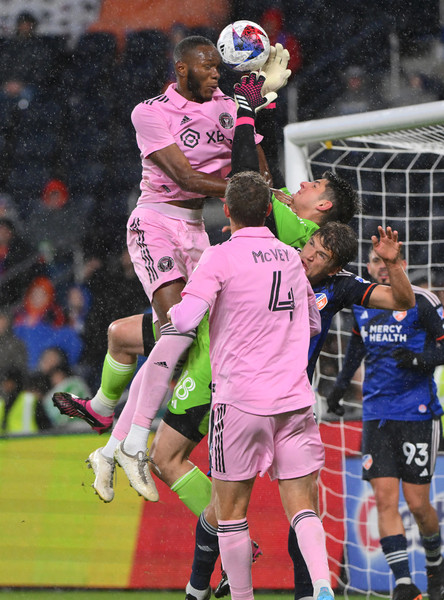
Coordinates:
(56,226)
(26,57)
(26,25)
(272,21)
(8,210)
(13,353)
(416,88)
(76,307)
(24,412)
(11,384)
(358,96)
(19,263)
(15,94)
(40,323)
(54,365)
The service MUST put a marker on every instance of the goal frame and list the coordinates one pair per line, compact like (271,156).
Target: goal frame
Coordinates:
(298,135)
(346,501)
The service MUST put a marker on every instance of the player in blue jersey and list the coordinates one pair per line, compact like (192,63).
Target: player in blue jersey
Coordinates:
(401,422)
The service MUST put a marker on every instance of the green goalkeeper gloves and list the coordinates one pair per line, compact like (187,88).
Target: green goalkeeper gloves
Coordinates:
(275,70)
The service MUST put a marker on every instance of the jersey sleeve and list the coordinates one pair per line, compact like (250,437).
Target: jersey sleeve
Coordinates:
(430,312)
(208,277)
(152,132)
(290,228)
(187,315)
(351,289)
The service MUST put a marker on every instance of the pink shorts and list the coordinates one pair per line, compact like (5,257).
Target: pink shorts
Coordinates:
(286,446)
(163,248)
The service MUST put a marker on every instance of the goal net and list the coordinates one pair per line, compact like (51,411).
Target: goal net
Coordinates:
(395,159)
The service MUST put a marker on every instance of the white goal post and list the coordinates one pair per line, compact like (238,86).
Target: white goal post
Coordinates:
(395,160)
(297,136)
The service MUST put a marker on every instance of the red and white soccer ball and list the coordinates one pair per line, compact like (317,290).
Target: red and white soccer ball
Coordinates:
(243,46)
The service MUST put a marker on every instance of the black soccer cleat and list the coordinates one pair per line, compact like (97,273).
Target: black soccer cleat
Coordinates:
(223,587)
(406,591)
(435,582)
(73,406)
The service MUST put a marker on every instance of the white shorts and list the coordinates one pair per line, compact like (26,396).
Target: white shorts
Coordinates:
(163,248)
(287,446)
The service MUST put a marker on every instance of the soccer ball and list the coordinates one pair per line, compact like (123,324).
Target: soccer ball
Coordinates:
(243,46)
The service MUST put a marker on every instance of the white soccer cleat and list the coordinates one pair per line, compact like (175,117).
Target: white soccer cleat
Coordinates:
(138,472)
(325,593)
(103,470)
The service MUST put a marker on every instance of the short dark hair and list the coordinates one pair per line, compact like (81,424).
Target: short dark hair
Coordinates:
(188,44)
(346,202)
(341,240)
(247,197)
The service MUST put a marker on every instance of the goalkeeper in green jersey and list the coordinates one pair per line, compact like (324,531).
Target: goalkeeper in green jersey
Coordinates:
(293,220)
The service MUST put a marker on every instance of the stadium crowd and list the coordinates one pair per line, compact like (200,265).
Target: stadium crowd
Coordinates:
(70,170)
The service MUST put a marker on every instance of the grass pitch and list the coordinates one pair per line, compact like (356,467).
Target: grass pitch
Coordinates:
(59,594)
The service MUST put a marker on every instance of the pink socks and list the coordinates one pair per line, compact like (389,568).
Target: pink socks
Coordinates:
(236,557)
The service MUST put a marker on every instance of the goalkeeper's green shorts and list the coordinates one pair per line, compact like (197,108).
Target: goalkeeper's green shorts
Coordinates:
(189,407)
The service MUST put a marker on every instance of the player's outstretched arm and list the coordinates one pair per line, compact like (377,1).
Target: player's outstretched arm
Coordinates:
(399,294)
(246,155)
(275,69)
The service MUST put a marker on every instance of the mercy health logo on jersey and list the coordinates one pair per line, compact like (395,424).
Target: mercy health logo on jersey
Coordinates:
(321,300)
(378,332)
(368,568)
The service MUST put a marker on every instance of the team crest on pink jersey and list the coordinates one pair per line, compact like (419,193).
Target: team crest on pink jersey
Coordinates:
(367,461)
(321,301)
(400,314)
(226,120)
(165,264)
(190,137)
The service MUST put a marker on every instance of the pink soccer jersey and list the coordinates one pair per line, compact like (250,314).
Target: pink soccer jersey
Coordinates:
(259,326)
(203,131)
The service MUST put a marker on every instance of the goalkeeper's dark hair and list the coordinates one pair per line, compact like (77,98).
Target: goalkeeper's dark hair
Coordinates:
(346,202)
(247,197)
(341,240)
(188,44)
